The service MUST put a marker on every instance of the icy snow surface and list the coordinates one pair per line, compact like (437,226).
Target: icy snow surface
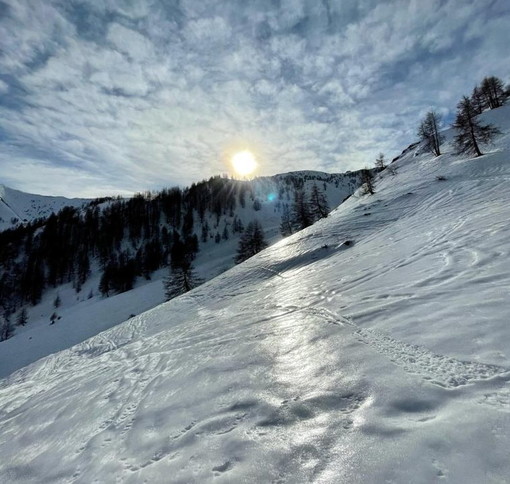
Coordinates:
(372,347)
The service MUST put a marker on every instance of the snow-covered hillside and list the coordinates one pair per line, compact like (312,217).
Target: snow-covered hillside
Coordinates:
(17,207)
(371,347)
(85,313)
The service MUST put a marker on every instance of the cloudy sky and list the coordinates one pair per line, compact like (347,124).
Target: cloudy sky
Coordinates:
(118,96)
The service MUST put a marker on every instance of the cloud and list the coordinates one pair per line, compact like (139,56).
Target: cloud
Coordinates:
(133,95)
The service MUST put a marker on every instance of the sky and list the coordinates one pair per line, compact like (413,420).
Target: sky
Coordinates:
(105,97)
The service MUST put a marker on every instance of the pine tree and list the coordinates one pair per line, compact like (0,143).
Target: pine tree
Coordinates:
(5,326)
(251,242)
(286,228)
(471,132)
(180,280)
(428,132)
(57,302)
(318,204)
(301,216)
(22,317)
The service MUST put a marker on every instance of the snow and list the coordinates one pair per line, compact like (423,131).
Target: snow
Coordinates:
(81,318)
(17,206)
(385,359)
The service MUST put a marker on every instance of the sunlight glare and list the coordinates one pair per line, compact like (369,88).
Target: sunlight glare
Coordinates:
(244,163)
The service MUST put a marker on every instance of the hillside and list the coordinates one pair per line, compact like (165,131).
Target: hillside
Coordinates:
(83,310)
(19,207)
(371,347)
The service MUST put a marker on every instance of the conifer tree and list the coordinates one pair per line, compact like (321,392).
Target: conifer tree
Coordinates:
(301,216)
(180,280)
(286,228)
(470,131)
(380,162)
(493,90)
(319,207)
(251,242)
(428,132)
(22,317)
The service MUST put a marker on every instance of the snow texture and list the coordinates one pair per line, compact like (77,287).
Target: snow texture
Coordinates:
(371,347)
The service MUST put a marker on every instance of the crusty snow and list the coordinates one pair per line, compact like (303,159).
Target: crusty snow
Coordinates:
(371,347)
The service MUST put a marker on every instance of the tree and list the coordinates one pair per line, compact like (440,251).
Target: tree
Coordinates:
(180,280)
(5,326)
(318,203)
(380,162)
(22,317)
(493,90)
(367,182)
(471,132)
(286,228)
(301,216)
(428,132)
(251,242)
(478,100)
(57,302)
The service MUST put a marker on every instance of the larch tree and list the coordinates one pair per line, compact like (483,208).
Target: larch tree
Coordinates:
(428,132)
(470,132)
(319,207)
(493,90)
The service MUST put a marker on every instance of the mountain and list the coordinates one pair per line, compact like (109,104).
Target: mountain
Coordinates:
(370,347)
(20,207)
(65,258)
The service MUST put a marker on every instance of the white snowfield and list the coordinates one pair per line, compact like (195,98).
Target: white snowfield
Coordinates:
(372,347)
(18,207)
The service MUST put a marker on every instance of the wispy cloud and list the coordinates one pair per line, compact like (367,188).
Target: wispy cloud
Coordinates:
(114,96)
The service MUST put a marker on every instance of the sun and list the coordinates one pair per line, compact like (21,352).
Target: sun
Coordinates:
(244,163)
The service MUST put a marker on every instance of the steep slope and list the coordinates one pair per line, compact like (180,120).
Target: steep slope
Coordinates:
(371,347)
(17,206)
(84,313)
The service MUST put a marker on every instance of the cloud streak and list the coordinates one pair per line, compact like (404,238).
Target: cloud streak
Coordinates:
(113,96)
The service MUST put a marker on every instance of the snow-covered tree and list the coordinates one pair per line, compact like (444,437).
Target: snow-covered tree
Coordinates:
(470,131)
(5,326)
(428,132)
(251,242)
(57,301)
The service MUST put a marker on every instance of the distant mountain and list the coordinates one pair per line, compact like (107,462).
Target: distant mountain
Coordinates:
(20,207)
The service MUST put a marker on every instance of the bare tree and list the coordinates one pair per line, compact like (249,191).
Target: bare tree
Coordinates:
(493,90)
(380,162)
(428,132)
(471,132)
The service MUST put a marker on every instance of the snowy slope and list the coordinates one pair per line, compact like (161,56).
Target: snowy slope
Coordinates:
(81,316)
(385,359)
(17,206)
